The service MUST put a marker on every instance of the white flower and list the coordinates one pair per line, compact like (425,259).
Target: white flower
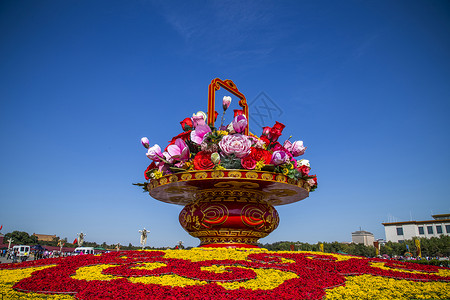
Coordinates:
(303,162)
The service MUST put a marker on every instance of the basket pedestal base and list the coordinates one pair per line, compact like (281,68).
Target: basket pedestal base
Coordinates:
(229,218)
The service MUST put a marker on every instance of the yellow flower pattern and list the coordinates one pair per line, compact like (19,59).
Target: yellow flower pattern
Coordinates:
(356,287)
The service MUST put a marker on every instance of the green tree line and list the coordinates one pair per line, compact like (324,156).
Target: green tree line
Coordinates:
(433,247)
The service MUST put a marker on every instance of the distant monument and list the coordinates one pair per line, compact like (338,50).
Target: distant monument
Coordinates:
(143,237)
(80,239)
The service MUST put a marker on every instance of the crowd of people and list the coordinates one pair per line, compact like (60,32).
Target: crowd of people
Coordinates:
(14,256)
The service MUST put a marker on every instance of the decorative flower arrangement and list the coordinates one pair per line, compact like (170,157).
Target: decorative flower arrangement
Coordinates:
(217,273)
(204,147)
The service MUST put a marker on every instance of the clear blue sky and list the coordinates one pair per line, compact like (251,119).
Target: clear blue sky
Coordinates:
(365,85)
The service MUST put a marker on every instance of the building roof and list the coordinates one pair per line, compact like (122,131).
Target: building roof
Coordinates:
(361,232)
(416,222)
(447,216)
(44,237)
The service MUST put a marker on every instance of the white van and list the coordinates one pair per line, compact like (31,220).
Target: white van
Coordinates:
(84,250)
(22,250)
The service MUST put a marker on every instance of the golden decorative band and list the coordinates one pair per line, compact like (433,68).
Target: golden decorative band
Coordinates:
(236,174)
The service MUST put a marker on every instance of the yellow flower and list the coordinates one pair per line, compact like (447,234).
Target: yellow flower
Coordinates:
(157,174)
(222,132)
(259,165)
(377,287)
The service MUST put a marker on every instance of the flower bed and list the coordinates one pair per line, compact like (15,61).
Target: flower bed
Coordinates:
(217,273)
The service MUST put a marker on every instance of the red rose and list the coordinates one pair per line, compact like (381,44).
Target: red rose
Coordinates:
(215,115)
(248,162)
(260,154)
(304,170)
(186,124)
(276,131)
(202,161)
(184,136)
(238,112)
(150,167)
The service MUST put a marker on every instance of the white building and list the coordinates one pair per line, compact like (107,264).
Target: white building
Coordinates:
(363,237)
(400,231)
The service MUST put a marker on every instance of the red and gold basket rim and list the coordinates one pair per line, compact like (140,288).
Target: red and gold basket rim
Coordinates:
(180,188)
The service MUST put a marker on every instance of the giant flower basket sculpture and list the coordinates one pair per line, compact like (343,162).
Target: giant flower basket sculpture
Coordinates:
(228,179)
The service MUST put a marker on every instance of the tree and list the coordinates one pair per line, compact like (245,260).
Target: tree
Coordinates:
(21,237)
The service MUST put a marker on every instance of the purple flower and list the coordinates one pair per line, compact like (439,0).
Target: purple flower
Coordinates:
(240,123)
(279,157)
(154,153)
(178,151)
(145,142)
(296,148)
(236,144)
(199,132)
(226,102)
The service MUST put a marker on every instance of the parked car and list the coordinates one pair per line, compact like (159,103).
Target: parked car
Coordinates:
(84,250)
(22,250)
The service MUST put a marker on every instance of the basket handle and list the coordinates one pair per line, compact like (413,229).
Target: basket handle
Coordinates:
(231,87)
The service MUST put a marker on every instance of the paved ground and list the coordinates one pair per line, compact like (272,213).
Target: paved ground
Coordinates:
(3,260)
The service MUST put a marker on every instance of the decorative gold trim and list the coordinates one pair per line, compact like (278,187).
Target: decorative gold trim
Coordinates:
(267,176)
(281,178)
(235,174)
(217,174)
(201,175)
(186,176)
(251,175)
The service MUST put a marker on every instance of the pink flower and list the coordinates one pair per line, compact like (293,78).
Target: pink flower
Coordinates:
(296,148)
(226,102)
(154,153)
(240,123)
(178,151)
(260,144)
(236,144)
(279,157)
(145,142)
(198,119)
(198,134)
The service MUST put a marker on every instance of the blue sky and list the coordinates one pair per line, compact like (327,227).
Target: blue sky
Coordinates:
(365,85)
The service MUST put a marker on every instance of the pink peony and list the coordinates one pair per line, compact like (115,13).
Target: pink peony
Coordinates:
(198,134)
(236,144)
(296,148)
(279,157)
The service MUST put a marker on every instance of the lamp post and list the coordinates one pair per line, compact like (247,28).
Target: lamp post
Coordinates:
(10,240)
